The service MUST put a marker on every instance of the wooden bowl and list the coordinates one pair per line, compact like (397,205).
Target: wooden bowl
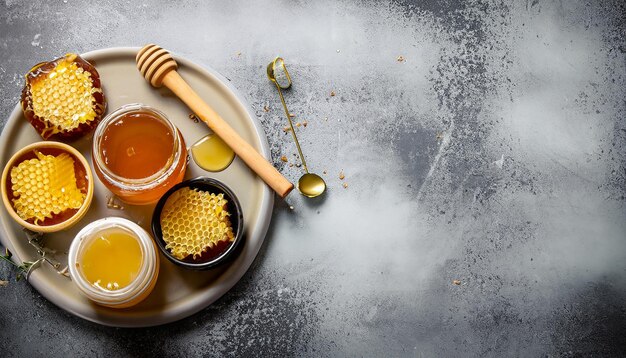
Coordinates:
(82,172)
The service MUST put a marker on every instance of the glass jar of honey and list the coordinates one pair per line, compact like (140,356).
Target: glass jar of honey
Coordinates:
(114,262)
(138,154)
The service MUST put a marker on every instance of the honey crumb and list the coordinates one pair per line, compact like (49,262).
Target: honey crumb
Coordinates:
(332,93)
(305,123)
(286,129)
(284,159)
(400,58)
(341,175)
(345,185)
(298,124)
(64,272)
(112,204)
(266,108)
(291,115)
(290,165)
(456,282)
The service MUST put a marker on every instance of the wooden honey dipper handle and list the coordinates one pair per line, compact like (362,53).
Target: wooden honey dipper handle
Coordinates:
(159,68)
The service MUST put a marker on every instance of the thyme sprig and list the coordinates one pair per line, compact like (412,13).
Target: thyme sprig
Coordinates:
(26,267)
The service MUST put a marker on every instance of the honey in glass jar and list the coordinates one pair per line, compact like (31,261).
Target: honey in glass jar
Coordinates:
(114,262)
(138,154)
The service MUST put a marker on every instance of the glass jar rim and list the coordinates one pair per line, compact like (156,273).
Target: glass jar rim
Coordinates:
(135,287)
(139,183)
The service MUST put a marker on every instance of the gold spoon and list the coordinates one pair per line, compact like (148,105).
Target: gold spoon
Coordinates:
(310,184)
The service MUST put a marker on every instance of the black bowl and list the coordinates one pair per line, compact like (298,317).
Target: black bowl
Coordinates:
(223,251)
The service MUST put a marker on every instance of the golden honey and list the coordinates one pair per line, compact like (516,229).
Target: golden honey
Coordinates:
(212,154)
(138,154)
(112,259)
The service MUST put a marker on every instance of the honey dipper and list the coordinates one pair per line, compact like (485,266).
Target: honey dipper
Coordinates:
(159,68)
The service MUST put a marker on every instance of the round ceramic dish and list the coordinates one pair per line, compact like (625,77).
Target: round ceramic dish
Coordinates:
(179,292)
(236,220)
(43,147)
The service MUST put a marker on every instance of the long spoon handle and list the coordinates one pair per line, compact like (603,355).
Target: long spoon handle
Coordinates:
(293,130)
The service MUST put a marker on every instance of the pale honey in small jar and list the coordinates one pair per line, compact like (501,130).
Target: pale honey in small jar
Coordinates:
(114,262)
(138,154)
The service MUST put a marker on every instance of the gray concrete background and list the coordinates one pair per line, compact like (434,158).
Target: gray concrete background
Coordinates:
(494,154)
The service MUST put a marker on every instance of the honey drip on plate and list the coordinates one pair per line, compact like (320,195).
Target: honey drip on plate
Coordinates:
(212,154)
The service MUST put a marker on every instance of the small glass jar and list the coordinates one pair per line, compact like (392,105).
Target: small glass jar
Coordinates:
(137,137)
(116,297)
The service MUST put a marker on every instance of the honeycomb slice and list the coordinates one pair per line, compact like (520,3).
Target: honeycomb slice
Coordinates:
(194,221)
(44,186)
(63,98)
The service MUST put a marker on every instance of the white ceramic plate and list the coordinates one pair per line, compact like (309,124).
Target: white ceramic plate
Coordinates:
(179,292)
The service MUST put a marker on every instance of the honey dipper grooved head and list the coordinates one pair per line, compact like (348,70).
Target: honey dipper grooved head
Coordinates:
(154,63)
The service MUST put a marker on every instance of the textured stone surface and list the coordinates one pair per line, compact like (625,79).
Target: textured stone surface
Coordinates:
(485,211)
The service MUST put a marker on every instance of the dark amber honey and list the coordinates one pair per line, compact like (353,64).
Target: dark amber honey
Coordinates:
(137,145)
(138,154)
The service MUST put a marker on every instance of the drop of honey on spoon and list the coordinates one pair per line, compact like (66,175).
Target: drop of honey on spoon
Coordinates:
(212,154)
